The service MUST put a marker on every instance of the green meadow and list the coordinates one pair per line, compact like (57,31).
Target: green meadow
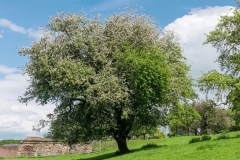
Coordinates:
(177,148)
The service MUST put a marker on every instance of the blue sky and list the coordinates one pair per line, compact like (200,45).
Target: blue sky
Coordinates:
(20,22)
(31,14)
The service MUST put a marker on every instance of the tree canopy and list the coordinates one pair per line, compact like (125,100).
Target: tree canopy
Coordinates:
(226,84)
(105,77)
(213,118)
(183,119)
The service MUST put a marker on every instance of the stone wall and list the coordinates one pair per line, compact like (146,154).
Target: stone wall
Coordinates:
(8,151)
(36,146)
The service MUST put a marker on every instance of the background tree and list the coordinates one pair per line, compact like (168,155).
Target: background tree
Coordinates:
(183,119)
(48,135)
(226,85)
(106,78)
(220,121)
(181,86)
(206,111)
(143,131)
(233,119)
(213,118)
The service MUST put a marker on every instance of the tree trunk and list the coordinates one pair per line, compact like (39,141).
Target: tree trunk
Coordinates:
(196,132)
(204,127)
(187,131)
(122,143)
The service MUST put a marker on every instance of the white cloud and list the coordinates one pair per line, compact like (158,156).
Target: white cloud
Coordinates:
(17,119)
(30,32)
(12,26)
(1,36)
(192,29)
(7,70)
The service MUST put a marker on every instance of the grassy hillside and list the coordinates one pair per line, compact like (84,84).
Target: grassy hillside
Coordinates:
(167,149)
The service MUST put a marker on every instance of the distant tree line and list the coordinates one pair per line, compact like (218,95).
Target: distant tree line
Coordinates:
(201,117)
(9,141)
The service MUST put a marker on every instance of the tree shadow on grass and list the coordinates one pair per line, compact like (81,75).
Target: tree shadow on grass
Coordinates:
(115,154)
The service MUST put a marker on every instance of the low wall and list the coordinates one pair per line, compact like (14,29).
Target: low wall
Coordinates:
(36,146)
(8,151)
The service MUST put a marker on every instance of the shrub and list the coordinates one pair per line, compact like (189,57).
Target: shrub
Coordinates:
(195,139)
(223,136)
(205,132)
(225,131)
(170,134)
(161,135)
(206,138)
(149,145)
(237,136)
(235,128)
(157,135)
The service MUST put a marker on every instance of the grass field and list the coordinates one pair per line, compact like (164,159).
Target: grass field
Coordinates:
(176,148)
